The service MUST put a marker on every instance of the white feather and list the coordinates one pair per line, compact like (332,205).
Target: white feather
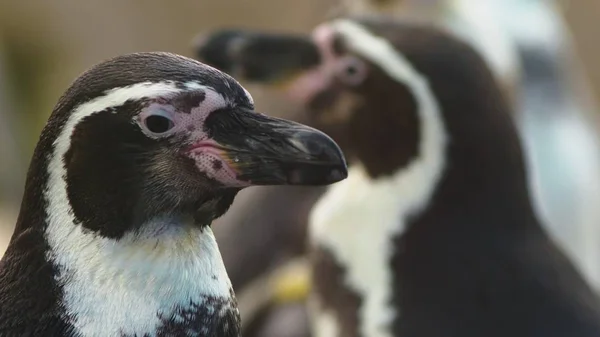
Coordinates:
(357,218)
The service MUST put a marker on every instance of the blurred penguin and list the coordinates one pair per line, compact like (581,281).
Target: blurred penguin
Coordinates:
(539,73)
(528,45)
(434,232)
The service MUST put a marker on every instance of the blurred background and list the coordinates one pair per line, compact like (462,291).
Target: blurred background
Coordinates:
(44,45)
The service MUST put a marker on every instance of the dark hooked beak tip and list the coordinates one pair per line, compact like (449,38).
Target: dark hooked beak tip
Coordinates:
(320,161)
(296,155)
(265,150)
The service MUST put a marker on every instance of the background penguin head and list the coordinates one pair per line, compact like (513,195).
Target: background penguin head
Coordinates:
(342,77)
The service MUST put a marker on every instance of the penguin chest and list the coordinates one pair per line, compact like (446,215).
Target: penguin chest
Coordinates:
(352,230)
(175,285)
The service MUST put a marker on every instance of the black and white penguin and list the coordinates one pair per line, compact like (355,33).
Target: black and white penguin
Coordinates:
(434,232)
(139,156)
(528,46)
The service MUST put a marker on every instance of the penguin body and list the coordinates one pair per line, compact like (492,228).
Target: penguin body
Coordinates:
(527,45)
(449,242)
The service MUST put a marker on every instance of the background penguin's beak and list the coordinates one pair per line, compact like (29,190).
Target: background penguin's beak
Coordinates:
(265,58)
(277,151)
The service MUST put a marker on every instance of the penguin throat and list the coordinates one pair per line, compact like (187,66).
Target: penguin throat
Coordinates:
(343,223)
(128,286)
(214,207)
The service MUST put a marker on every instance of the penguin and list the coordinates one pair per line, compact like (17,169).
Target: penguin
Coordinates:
(139,156)
(529,48)
(434,232)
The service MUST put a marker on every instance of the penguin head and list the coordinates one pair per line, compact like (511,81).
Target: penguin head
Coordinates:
(147,135)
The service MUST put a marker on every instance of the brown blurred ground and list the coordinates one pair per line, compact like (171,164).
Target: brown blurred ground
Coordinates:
(48,43)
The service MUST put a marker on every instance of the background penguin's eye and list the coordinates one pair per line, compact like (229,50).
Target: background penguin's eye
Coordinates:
(352,71)
(158,124)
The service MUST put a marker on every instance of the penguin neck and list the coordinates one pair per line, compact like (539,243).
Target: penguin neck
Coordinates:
(167,268)
(488,181)
(360,216)
(484,172)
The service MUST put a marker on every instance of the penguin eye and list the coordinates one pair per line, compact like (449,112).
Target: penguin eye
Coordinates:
(352,71)
(158,123)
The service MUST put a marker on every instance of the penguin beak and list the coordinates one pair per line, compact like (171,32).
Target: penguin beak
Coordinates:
(265,58)
(263,150)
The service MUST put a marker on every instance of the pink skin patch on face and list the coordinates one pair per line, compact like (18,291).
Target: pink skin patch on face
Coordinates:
(209,156)
(212,159)
(306,86)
